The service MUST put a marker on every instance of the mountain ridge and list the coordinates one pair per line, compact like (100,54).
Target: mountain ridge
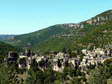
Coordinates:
(61,34)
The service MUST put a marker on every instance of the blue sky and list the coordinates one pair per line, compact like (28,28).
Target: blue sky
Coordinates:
(24,16)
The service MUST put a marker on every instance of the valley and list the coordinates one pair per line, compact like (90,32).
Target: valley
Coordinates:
(60,54)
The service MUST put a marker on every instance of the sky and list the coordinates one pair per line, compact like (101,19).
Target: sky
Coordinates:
(24,16)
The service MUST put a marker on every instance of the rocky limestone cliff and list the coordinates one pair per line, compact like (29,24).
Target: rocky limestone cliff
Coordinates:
(101,18)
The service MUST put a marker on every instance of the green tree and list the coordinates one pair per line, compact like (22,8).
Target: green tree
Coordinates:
(100,74)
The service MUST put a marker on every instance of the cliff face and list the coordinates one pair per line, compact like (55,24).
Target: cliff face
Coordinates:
(73,25)
(101,18)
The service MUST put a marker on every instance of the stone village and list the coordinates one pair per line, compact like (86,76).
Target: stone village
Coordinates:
(57,61)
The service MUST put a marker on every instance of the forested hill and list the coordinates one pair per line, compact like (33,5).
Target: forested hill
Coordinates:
(95,31)
(5,48)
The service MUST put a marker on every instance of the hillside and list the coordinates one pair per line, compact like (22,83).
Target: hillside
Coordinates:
(5,48)
(37,37)
(99,36)
(95,31)
(100,18)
